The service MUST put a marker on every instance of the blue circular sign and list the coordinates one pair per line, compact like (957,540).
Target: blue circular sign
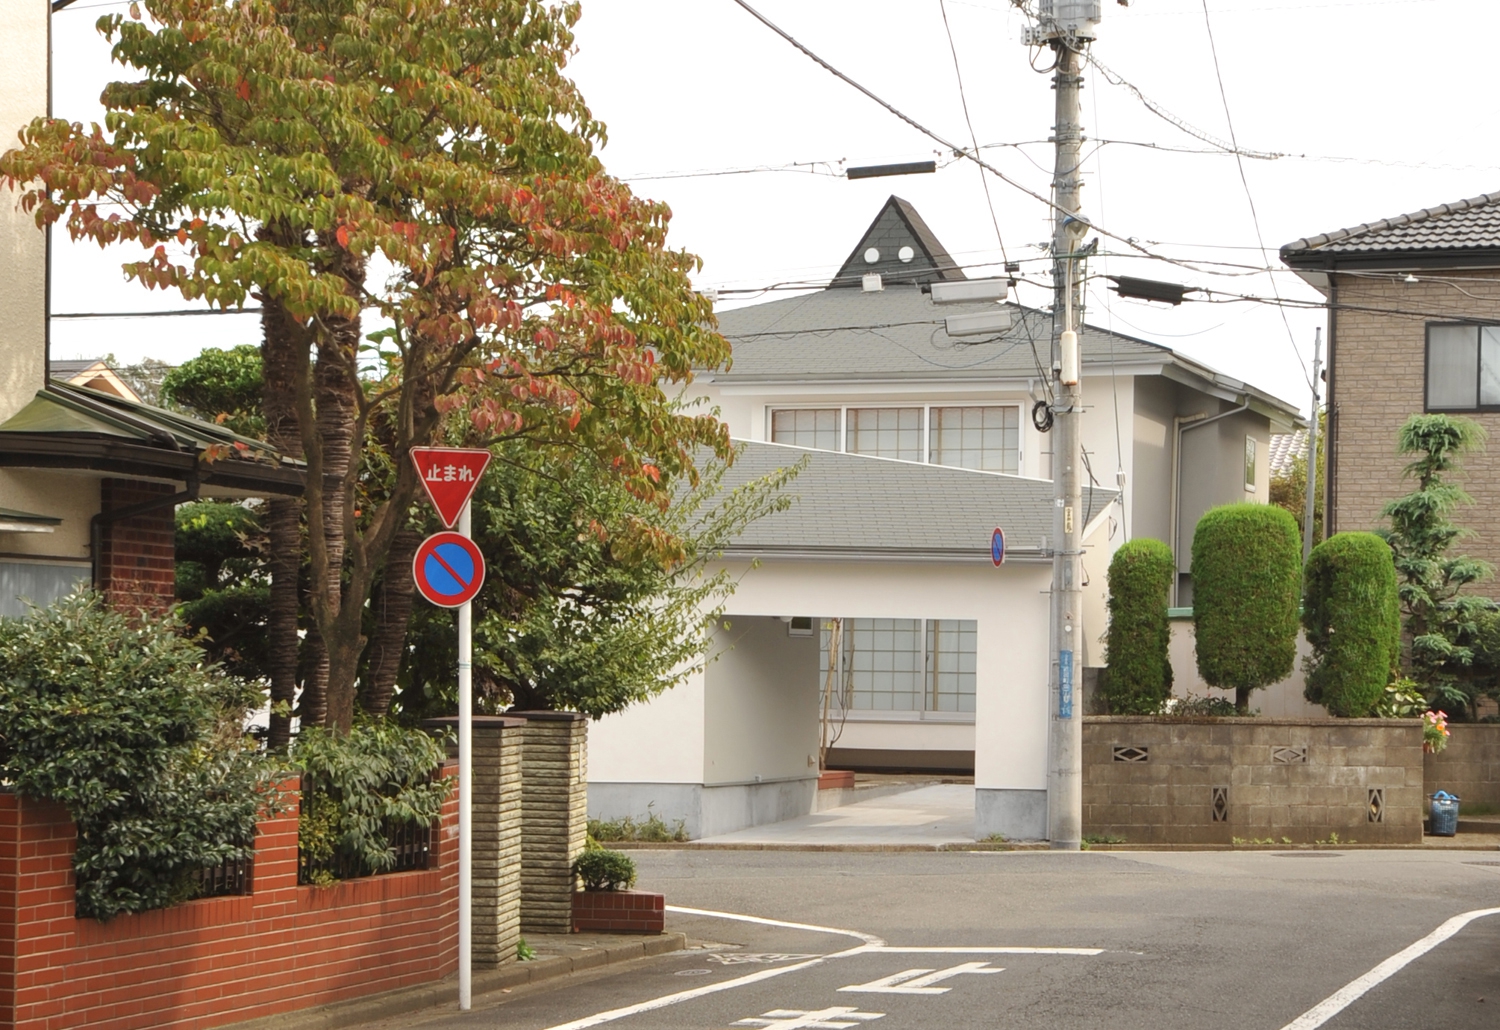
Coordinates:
(997,546)
(448,569)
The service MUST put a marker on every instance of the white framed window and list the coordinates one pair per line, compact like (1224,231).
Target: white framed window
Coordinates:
(885,432)
(1249,464)
(903,665)
(985,437)
(1463,367)
(806,427)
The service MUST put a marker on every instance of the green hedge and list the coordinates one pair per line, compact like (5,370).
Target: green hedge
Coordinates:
(1353,623)
(1139,677)
(1247,572)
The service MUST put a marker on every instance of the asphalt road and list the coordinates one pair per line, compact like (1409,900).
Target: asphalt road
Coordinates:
(1196,941)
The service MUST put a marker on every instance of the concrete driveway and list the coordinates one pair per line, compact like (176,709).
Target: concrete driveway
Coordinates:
(928,816)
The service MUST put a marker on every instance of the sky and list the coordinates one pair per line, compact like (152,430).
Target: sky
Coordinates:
(1373,106)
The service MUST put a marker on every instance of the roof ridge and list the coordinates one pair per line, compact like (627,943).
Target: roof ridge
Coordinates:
(1437,211)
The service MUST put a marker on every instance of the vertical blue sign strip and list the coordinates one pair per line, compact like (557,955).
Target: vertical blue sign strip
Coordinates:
(1065,684)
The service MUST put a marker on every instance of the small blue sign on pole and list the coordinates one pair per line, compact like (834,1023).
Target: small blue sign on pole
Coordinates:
(997,547)
(1065,684)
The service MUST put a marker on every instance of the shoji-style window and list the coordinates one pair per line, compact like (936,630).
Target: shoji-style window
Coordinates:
(885,432)
(806,427)
(980,437)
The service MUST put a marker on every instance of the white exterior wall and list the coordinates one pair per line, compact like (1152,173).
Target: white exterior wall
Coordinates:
(1281,700)
(23,248)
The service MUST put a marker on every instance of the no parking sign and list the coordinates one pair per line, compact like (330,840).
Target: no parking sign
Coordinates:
(448,569)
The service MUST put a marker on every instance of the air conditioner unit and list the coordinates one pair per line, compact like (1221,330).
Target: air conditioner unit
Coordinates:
(964,291)
(981,323)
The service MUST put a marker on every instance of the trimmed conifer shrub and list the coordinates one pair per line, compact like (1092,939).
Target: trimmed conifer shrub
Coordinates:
(1247,578)
(1353,622)
(1139,678)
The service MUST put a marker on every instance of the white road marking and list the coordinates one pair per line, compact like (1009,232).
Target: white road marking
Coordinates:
(888,950)
(733,958)
(913,981)
(839,1017)
(1341,999)
(857,935)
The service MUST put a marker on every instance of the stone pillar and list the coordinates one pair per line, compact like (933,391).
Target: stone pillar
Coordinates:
(554,817)
(498,744)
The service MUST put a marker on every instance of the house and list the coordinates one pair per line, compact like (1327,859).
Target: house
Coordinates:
(1413,326)
(919,443)
(93,373)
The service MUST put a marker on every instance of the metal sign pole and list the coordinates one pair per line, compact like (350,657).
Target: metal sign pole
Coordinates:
(465,792)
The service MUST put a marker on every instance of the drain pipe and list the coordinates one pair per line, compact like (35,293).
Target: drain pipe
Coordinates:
(103,518)
(1181,425)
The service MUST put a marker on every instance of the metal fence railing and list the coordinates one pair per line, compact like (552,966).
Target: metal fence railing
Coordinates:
(411,843)
(228,878)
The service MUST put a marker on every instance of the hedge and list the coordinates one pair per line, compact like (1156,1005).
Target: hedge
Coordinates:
(1139,677)
(1353,623)
(1247,573)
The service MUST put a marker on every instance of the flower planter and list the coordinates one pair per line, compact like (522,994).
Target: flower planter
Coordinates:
(836,779)
(618,912)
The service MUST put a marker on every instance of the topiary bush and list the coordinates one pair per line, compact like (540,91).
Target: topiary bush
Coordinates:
(1139,677)
(1353,622)
(601,869)
(122,721)
(1247,578)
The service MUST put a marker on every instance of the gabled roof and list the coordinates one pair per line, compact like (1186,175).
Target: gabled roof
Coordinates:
(67,426)
(93,373)
(1461,229)
(854,506)
(897,229)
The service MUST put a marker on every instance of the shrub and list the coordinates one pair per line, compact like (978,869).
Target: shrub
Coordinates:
(1401,699)
(1247,562)
(601,869)
(653,828)
(1139,678)
(1353,623)
(123,722)
(355,787)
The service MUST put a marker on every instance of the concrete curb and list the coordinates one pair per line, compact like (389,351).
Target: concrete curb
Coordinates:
(445,992)
(1032,846)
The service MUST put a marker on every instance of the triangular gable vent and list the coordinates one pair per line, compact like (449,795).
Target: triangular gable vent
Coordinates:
(903,248)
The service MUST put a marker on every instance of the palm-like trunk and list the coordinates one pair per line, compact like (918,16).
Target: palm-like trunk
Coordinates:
(392,604)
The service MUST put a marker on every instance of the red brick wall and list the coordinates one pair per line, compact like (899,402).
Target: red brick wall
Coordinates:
(136,556)
(618,912)
(217,960)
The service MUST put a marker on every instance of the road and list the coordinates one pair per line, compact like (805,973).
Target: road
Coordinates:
(1196,941)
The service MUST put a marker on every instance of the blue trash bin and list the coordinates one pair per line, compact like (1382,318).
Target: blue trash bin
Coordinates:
(1444,817)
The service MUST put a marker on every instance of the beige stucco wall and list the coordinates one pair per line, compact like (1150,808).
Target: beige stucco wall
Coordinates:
(1379,379)
(23,96)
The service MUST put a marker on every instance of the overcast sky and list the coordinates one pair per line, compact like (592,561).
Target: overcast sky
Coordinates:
(1378,106)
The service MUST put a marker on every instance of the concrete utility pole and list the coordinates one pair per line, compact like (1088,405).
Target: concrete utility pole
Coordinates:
(1312,449)
(1067,26)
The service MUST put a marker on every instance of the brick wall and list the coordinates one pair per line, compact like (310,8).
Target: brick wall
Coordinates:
(1469,766)
(1379,382)
(1160,781)
(136,556)
(214,961)
(618,912)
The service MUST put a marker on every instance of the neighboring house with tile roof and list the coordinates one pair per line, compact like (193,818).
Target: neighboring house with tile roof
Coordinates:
(1413,327)
(1286,448)
(918,444)
(93,373)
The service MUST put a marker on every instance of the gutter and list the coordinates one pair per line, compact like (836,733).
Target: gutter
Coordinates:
(963,556)
(1182,425)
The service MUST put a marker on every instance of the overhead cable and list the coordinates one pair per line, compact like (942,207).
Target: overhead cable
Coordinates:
(973,139)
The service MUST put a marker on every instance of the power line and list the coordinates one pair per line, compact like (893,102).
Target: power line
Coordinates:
(1254,217)
(973,139)
(155,314)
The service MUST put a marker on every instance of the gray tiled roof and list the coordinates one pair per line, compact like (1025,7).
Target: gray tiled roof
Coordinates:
(897,333)
(1462,225)
(852,505)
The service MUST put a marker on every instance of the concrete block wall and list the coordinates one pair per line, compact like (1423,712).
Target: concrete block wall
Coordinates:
(554,817)
(1469,766)
(498,743)
(1208,781)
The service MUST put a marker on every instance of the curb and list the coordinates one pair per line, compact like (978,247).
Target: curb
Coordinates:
(977,846)
(445,992)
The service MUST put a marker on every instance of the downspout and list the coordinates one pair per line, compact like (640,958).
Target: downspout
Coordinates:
(103,518)
(1182,425)
(1331,432)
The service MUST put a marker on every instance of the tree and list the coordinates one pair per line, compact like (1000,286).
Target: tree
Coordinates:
(1139,678)
(1247,572)
(222,386)
(595,600)
(1441,620)
(1353,623)
(1289,489)
(285,144)
(222,585)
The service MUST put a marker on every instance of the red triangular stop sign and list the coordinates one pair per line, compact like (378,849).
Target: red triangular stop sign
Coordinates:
(449,475)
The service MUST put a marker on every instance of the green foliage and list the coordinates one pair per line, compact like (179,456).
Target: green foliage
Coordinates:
(221,386)
(123,722)
(1353,623)
(601,869)
(1442,621)
(524,951)
(1139,678)
(1247,565)
(594,599)
(1193,706)
(356,786)
(223,587)
(652,828)
(1401,699)
(1289,489)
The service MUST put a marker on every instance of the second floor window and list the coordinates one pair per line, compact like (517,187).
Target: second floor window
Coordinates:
(886,432)
(806,427)
(1463,367)
(984,437)
(987,438)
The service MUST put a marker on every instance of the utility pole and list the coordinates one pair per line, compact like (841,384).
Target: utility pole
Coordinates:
(1067,26)
(1312,449)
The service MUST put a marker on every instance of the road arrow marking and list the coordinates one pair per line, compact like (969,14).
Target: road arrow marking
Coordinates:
(839,1017)
(919,981)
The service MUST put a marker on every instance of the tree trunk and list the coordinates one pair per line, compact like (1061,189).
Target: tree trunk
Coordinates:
(1242,700)
(392,604)
(279,364)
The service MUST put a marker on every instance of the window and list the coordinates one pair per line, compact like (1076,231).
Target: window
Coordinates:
(810,427)
(987,438)
(886,432)
(1463,367)
(1250,463)
(903,665)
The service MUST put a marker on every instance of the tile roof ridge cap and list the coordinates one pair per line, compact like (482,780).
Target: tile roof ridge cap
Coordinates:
(1451,207)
